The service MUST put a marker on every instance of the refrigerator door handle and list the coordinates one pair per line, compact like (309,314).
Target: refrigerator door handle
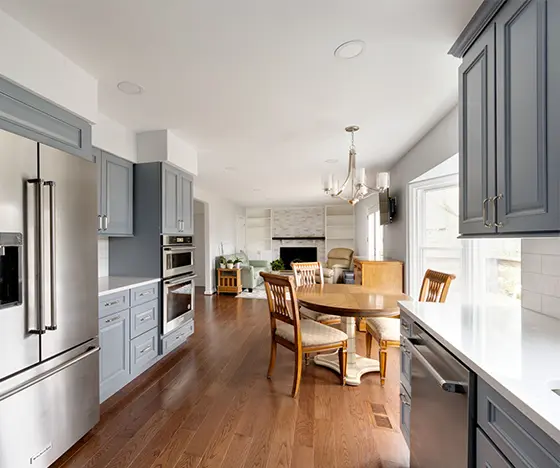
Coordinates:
(52,247)
(36,230)
(47,374)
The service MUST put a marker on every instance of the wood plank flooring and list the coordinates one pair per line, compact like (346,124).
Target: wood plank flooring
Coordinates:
(209,404)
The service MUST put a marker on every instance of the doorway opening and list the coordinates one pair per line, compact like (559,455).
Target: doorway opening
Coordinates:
(201,242)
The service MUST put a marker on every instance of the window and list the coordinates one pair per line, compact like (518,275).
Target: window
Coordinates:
(485,268)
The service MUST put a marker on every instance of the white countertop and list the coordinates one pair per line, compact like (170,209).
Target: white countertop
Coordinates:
(516,351)
(113,284)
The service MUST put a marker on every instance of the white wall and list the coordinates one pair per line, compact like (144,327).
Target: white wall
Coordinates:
(222,221)
(114,137)
(34,64)
(200,243)
(164,145)
(439,144)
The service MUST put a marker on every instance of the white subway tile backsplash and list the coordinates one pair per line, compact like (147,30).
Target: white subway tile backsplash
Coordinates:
(102,257)
(531,263)
(540,275)
(531,300)
(550,306)
(551,265)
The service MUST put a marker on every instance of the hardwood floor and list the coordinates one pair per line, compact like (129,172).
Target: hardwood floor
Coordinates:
(209,404)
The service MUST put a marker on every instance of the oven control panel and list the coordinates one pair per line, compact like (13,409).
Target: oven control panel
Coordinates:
(177,240)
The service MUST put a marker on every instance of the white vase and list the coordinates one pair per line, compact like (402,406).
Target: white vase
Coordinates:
(238,266)
(222,265)
(230,266)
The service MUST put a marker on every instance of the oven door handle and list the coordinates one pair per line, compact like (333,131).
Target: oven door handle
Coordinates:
(178,249)
(450,386)
(179,281)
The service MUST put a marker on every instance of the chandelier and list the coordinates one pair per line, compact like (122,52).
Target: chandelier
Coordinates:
(355,181)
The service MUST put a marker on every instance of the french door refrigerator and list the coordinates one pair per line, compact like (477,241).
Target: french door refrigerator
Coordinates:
(49,354)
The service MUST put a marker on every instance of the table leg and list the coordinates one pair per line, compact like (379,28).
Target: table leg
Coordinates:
(357,365)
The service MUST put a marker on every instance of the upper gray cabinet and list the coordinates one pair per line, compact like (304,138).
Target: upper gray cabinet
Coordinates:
(115,194)
(177,201)
(477,154)
(509,99)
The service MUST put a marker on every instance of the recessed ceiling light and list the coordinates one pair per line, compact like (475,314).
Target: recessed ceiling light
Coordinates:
(127,87)
(350,49)
(331,161)
(231,168)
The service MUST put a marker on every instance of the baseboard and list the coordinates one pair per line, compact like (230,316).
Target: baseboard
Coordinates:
(210,293)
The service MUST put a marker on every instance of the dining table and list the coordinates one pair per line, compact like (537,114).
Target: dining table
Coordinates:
(350,302)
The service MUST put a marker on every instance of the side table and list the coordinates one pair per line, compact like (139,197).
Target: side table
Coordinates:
(229,280)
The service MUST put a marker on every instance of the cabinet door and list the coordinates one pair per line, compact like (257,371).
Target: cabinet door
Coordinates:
(171,200)
(527,173)
(488,456)
(114,357)
(187,204)
(116,181)
(100,189)
(477,155)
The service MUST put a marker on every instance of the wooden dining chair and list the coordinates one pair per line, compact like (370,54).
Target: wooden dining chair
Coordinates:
(386,330)
(306,274)
(300,336)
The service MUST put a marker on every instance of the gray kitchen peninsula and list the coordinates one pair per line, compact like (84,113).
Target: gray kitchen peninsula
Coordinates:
(479,386)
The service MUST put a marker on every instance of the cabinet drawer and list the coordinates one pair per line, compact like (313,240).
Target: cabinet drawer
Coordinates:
(407,325)
(143,318)
(406,366)
(405,414)
(143,350)
(487,455)
(177,337)
(520,440)
(114,303)
(144,294)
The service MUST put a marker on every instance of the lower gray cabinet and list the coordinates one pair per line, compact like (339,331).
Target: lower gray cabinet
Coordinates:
(143,318)
(143,351)
(177,337)
(405,414)
(488,456)
(114,362)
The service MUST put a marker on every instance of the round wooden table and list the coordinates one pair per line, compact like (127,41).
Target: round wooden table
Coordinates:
(349,301)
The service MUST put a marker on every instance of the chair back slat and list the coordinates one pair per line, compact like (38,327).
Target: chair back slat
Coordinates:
(435,286)
(282,299)
(305,273)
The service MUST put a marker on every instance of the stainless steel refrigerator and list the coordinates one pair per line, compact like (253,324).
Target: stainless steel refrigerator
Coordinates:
(49,354)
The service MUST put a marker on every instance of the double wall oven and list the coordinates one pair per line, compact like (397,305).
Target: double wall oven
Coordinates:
(178,281)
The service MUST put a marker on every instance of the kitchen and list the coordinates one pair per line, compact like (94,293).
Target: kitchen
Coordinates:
(58,195)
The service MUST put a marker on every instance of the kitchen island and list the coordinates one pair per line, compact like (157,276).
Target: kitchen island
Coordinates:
(513,356)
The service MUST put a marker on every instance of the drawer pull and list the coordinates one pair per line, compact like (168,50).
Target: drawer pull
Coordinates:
(112,303)
(145,293)
(406,326)
(404,399)
(114,319)
(178,337)
(406,351)
(146,349)
(148,317)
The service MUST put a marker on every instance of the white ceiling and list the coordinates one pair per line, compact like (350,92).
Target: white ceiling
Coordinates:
(254,84)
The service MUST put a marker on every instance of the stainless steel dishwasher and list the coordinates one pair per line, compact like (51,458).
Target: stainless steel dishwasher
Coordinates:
(440,423)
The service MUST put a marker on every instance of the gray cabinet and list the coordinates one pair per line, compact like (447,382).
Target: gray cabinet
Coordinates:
(487,455)
(527,167)
(115,201)
(143,351)
(177,201)
(114,361)
(171,200)
(509,101)
(477,157)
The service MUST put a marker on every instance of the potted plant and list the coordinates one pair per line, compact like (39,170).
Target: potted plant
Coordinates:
(237,263)
(222,262)
(277,265)
(229,263)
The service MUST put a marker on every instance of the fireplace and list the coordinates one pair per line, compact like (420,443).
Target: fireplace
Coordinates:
(297,254)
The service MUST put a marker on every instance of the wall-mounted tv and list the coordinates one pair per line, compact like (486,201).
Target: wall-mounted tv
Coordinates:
(387,208)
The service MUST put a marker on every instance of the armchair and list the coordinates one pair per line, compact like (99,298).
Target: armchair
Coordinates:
(338,260)
(250,270)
